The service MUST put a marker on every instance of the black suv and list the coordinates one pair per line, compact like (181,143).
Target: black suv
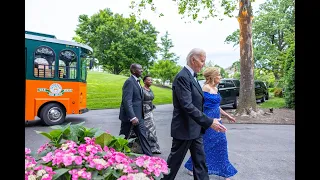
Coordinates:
(261,90)
(229,91)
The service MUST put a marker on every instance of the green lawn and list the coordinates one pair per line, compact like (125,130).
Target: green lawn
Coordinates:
(104,91)
(273,102)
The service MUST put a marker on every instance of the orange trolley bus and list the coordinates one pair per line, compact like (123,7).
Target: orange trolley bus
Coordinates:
(56,74)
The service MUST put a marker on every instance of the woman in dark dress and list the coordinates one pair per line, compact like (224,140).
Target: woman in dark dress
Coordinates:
(148,108)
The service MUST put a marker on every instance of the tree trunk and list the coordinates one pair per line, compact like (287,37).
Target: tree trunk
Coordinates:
(247,99)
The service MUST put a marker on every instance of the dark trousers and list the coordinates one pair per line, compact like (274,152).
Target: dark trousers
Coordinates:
(178,152)
(140,131)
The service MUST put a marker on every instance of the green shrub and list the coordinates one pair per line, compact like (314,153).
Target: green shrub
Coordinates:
(278,92)
(270,84)
(78,132)
(156,81)
(289,94)
(271,90)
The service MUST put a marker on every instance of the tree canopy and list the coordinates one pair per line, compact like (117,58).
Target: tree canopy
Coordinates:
(275,21)
(118,41)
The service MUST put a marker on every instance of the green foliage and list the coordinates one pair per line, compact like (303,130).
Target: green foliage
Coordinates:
(94,138)
(265,76)
(78,132)
(57,135)
(235,67)
(118,41)
(59,173)
(290,88)
(156,81)
(278,92)
(271,90)
(274,22)
(233,38)
(208,9)
(166,45)
(209,63)
(105,91)
(223,73)
(279,83)
(192,9)
(164,70)
(290,77)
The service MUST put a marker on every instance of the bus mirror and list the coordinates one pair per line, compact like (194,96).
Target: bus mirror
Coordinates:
(91,63)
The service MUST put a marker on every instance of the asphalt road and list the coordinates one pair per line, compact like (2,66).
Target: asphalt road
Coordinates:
(258,152)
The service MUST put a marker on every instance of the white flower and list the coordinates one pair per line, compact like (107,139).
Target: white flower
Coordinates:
(139,176)
(29,165)
(32,177)
(100,161)
(41,172)
(45,176)
(89,147)
(80,173)
(119,166)
(146,163)
(64,146)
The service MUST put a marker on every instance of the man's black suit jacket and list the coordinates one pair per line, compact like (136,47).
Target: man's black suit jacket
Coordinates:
(132,99)
(188,120)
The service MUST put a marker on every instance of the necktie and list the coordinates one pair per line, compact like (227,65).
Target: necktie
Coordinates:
(195,75)
(138,80)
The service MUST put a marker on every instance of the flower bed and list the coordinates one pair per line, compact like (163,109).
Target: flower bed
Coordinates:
(76,152)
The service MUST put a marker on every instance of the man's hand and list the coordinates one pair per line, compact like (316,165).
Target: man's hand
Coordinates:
(218,126)
(135,121)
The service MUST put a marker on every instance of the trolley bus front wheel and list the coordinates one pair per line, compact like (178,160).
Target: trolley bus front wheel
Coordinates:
(52,114)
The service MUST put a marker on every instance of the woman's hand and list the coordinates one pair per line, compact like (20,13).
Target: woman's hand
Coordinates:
(231,119)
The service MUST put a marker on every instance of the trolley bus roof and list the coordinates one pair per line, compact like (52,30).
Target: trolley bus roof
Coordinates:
(58,41)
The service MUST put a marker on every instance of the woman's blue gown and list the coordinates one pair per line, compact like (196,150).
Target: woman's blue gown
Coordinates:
(215,143)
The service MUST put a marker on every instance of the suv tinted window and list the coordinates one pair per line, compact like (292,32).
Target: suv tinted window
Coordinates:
(222,85)
(263,85)
(257,85)
(229,84)
(236,82)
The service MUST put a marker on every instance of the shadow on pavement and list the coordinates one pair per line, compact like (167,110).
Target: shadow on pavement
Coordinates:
(38,123)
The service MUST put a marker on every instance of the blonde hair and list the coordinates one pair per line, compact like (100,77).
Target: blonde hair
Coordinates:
(210,73)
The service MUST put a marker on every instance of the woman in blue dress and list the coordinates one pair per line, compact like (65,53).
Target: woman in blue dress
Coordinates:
(215,143)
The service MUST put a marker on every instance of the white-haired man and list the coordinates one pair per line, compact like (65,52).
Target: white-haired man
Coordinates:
(188,121)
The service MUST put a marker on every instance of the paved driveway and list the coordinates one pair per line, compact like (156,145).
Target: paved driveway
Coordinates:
(258,152)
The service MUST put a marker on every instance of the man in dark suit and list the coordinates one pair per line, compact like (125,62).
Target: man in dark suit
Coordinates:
(188,121)
(131,109)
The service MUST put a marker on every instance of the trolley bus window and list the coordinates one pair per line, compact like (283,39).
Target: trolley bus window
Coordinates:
(83,69)
(85,58)
(44,60)
(67,64)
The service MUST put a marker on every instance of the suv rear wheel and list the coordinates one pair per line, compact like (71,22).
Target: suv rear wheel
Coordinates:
(236,102)
(267,97)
